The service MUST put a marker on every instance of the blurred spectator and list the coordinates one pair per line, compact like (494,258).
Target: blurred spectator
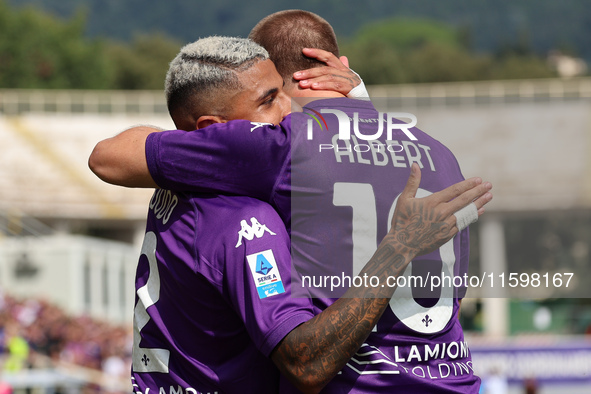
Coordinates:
(5,388)
(530,386)
(566,66)
(48,330)
(115,367)
(16,347)
(495,383)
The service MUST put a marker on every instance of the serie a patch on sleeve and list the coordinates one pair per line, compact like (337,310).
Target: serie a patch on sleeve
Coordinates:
(265,273)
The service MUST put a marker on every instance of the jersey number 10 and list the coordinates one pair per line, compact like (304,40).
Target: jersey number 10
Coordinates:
(361,197)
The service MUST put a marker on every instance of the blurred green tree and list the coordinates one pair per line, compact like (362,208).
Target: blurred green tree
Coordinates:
(40,51)
(418,50)
(144,63)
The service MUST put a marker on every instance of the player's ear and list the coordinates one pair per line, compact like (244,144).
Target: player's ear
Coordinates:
(206,120)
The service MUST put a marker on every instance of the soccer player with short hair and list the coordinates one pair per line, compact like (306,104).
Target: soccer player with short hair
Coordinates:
(203,322)
(415,345)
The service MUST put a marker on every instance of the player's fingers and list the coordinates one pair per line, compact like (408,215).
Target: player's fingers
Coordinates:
(325,57)
(344,60)
(326,73)
(469,196)
(471,212)
(311,73)
(412,185)
(342,86)
(451,223)
(481,201)
(328,78)
(457,189)
(466,216)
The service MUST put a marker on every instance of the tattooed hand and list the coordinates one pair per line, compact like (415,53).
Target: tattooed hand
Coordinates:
(424,224)
(336,77)
(314,352)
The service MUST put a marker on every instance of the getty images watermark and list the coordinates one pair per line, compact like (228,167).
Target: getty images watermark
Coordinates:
(385,122)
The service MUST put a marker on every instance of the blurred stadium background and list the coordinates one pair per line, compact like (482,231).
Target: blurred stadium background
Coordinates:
(69,243)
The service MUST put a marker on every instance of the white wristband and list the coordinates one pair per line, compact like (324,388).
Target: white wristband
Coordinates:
(466,216)
(359,91)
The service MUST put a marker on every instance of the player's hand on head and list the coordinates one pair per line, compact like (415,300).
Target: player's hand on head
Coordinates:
(337,76)
(424,224)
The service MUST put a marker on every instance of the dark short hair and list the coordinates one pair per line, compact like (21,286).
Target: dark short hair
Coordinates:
(285,33)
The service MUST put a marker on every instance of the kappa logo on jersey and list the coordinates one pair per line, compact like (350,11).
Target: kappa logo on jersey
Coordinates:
(254,230)
(265,273)
(256,125)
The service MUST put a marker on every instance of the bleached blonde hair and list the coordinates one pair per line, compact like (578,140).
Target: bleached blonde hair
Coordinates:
(205,69)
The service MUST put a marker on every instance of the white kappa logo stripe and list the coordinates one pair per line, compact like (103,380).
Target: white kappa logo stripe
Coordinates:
(254,230)
(256,125)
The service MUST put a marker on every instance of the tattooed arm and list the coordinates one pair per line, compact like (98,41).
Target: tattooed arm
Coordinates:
(314,352)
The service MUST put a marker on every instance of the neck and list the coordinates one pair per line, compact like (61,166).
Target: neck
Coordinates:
(305,96)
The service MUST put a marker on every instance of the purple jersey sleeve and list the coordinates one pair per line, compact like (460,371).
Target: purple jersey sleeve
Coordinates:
(238,157)
(213,295)
(257,281)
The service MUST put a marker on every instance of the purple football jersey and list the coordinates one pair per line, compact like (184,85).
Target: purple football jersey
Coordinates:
(213,296)
(337,198)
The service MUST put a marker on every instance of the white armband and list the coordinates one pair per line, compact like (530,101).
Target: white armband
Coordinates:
(359,91)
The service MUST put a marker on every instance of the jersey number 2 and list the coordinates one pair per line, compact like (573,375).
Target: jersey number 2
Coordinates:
(148,359)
